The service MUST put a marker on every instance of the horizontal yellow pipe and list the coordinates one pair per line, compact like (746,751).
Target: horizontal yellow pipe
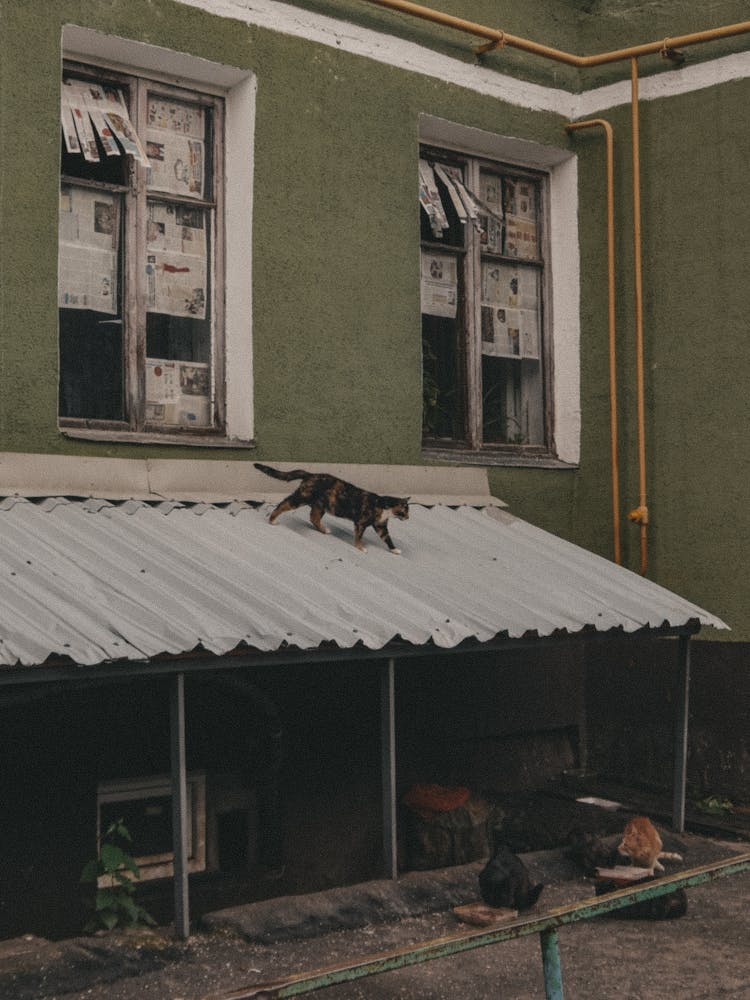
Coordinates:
(524,44)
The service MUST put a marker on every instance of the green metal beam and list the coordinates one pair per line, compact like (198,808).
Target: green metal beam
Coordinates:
(545,925)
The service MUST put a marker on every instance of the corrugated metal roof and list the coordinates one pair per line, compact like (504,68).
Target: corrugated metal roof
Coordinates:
(97,582)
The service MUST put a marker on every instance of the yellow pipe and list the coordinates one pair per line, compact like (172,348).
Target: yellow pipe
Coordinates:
(667,48)
(610,173)
(500,38)
(471,27)
(640,514)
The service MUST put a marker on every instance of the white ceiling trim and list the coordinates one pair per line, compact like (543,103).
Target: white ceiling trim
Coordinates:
(392,51)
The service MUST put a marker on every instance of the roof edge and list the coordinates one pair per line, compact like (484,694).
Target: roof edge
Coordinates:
(199,660)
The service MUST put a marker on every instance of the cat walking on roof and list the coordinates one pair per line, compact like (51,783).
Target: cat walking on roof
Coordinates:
(326,494)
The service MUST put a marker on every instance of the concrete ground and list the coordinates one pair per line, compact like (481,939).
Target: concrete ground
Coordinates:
(704,955)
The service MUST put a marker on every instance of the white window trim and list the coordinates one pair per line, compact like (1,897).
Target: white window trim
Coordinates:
(564,304)
(238,87)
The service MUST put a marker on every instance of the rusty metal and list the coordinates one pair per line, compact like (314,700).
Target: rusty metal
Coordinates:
(452,944)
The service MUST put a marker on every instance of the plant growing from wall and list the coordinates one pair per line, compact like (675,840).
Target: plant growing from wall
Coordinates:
(114,904)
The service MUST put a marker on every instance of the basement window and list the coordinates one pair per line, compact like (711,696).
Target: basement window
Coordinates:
(141,286)
(485,360)
(145,807)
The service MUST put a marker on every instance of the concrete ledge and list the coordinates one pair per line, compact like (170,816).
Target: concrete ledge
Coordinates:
(217,481)
(348,907)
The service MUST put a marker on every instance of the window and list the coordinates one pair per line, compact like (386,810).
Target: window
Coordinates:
(145,807)
(140,261)
(485,355)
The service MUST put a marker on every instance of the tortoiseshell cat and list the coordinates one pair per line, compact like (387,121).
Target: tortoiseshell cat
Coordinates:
(642,844)
(328,494)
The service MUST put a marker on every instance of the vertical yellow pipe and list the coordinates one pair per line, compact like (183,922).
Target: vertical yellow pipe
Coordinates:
(610,172)
(640,514)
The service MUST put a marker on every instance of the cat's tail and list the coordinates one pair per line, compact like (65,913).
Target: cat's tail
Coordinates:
(669,856)
(278,474)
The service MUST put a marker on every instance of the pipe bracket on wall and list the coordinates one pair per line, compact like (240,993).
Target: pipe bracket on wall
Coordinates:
(496,43)
(667,52)
(639,515)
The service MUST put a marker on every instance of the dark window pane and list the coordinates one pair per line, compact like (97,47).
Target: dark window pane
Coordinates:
(148,821)
(442,379)
(177,338)
(501,401)
(91,370)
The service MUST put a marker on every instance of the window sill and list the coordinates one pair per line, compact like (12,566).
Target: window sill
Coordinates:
(488,458)
(153,437)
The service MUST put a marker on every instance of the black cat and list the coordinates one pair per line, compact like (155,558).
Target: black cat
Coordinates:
(589,852)
(504,882)
(670,906)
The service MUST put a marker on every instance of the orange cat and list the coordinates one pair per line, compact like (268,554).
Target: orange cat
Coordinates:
(642,844)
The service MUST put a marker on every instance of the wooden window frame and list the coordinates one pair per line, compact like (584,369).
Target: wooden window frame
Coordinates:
(472,449)
(135,196)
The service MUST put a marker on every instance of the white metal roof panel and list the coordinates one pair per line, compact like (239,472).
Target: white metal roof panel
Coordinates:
(98,582)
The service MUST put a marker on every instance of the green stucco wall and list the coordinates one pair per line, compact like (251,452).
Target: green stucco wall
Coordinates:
(335,271)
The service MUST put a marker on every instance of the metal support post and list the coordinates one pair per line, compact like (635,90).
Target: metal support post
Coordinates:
(388,766)
(180,817)
(682,701)
(553,987)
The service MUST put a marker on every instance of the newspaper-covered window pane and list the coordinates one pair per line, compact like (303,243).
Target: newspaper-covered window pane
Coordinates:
(178,393)
(510,345)
(439,284)
(491,219)
(178,328)
(176,147)
(89,234)
(176,260)
(178,265)
(510,310)
(520,206)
